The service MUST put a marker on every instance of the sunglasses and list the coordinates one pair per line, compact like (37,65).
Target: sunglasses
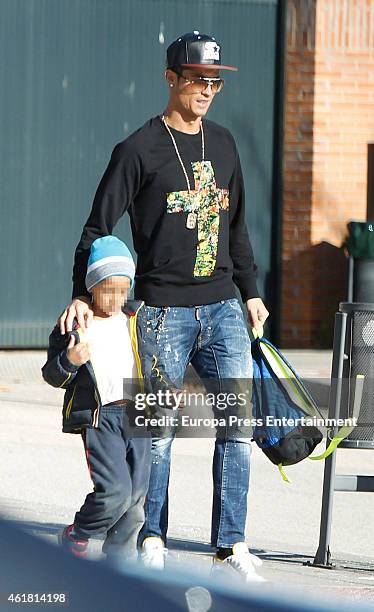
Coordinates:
(200,83)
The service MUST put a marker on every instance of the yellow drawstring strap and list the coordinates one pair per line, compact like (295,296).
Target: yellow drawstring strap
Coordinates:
(283,474)
(344,431)
(257,333)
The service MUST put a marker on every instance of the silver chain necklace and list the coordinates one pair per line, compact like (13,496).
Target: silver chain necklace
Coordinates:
(192,216)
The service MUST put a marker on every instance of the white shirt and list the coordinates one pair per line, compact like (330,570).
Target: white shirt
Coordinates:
(112,357)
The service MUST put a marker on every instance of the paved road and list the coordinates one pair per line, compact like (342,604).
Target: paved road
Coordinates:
(44,479)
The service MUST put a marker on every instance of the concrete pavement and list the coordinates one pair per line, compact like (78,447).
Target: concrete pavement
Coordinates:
(45,479)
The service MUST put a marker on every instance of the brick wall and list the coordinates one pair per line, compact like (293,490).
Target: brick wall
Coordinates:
(329,121)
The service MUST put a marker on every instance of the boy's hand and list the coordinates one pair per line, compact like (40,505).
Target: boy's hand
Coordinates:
(79,354)
(79,309)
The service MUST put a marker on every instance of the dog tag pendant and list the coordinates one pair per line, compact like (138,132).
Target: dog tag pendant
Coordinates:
(191,220)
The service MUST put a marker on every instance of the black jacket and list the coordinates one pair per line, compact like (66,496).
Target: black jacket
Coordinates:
(82,403)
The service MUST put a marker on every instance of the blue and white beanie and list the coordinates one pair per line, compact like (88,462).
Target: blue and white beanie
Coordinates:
(109,256)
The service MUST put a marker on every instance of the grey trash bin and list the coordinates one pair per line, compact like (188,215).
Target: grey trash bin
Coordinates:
(359,350)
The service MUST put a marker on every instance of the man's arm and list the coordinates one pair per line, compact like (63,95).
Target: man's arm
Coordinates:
(241,252)
(118,187)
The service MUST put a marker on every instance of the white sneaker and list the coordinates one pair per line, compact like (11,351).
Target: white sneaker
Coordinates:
(153,553)
(242,562)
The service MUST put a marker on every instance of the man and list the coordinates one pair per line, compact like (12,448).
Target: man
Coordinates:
(180,180)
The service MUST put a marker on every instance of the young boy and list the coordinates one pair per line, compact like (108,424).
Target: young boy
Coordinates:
(94,368)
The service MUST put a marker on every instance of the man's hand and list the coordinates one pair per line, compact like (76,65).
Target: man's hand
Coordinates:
(257,313)
(78,354)
(79,308)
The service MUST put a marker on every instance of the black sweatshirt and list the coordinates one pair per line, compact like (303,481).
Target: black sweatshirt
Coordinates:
(176,266)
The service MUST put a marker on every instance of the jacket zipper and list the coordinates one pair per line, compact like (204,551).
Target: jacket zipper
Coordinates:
(95,418)
(70,404)
(134,342)
(66,380)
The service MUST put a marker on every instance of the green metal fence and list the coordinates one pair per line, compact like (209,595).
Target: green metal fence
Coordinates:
(78,76)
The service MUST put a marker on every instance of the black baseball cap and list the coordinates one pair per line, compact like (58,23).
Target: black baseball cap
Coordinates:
(195,50)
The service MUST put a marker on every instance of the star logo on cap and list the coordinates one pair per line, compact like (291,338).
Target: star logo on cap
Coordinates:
(211,51)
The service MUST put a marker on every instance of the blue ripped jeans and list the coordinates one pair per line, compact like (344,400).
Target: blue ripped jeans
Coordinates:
(214,339)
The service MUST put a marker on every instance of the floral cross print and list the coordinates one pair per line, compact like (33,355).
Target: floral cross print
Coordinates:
(207,200)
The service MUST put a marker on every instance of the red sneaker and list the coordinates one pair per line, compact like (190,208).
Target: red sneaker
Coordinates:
(71,543)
